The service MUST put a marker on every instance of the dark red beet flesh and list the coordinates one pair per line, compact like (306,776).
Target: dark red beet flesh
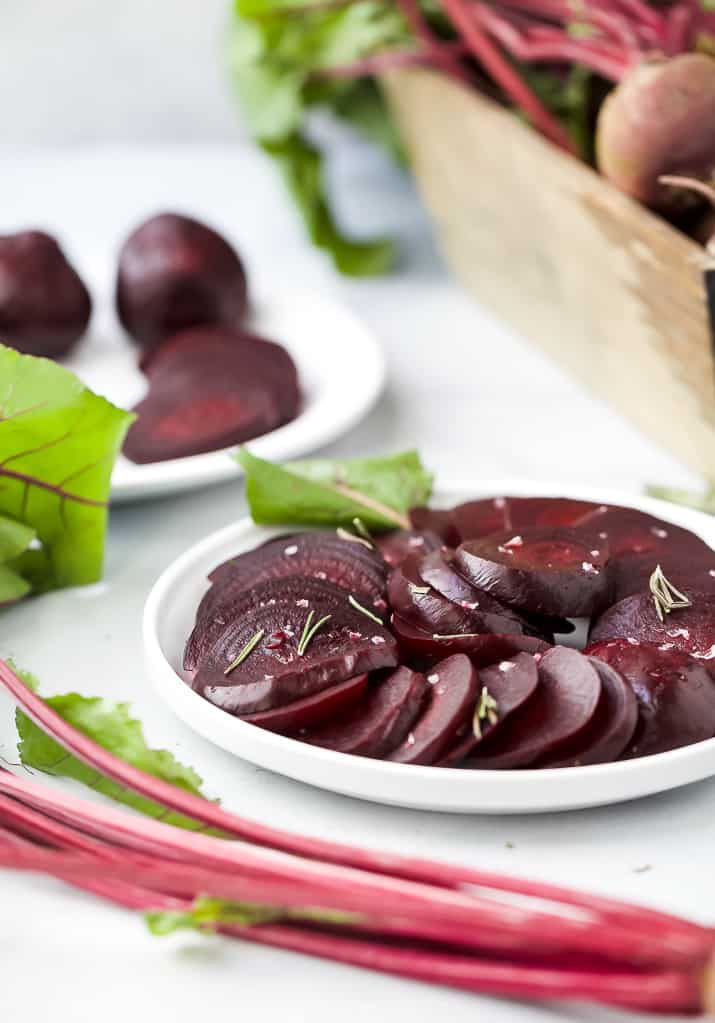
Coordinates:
(274,673)
(450,704)
(562,707)
(399,544)
(312,710)
(691,629)
(381,721)
(44,305)
(542,571)
(510,683)
(484,649)
(675,694)
(475,519)
(611,729)
(175,272)
(437,521)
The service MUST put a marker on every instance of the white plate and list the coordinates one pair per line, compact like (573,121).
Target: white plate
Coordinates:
(340,365)
(168,618)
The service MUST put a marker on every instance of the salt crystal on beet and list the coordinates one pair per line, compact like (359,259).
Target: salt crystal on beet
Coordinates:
(291,550)
(377,640)
(433,679)
(589,569)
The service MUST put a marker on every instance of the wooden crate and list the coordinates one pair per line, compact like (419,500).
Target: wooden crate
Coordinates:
(607,288)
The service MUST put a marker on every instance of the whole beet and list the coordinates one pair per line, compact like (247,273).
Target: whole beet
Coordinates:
(175,272)
(44,306)
(659,120)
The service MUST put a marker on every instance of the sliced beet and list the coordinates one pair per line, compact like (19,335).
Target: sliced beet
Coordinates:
(561,708)
(525,512)
(691,629)
(542,571)
(510,684)
(450,703)
(275,673)
(399,544)
(611,729)
(381,721)
(484,649)
(312,710)
(675,694)
(630,531)
(630,573)
(435,520)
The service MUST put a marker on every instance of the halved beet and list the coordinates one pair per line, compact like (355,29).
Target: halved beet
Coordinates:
(561,708)
(509,684)
(312,710)
(399,544)
(691,629)
(274,673)
(611,729)
(381,721)
(542,571)
(675,694)
(484,648)
(435,520)
(450,703)
(321,555)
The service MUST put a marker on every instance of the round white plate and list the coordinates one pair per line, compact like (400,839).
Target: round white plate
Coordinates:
(168,619)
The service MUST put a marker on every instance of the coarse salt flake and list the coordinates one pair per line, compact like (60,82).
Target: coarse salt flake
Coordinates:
(377,640)
(433,678)
(291,550)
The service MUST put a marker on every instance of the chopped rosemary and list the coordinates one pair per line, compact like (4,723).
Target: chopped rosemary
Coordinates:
(486,710)
(251,645)
(358,607)
(345,534)
(456,635)
(418,589)
(362,530)
(665,596)
(309,630)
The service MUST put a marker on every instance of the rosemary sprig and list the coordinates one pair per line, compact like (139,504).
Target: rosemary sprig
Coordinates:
(456,635)
(665,596)
(345,534)
(363,610)
(309,630)
(251,645)
(486,710)
(414,588)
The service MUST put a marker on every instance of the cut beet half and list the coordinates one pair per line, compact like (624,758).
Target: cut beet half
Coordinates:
(675,694)
(484,648)
(399,544)
(381,721)
(450,703)
(540,571)
(611,729)
(503,689)
(691,629)
(312,711)
(299,637)
(561,708)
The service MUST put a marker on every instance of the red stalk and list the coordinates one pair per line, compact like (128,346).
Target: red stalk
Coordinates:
(441,54)
(610,23)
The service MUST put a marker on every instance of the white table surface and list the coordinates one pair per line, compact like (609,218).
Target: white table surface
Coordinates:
(475,400)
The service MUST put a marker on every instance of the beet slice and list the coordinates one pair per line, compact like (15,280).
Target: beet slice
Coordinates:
(524,512)
(312,710)
(675,694)
(435,520)
(399,544)
(510,684)
(485,648)
(563,705)
(275,673)
(611,729)
(542,571)
(691,629)
(380,722)
(450,704)
(630,573)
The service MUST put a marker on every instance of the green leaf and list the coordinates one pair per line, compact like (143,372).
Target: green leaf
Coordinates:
(12,586)
(15,538)
(111,726)
(689,498)
(58,443)
(327,492)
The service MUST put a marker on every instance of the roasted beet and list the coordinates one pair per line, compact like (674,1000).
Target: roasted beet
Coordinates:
(630,573)
(611,729)
(503,688)
(475,519)
(44,306)
(381,721)
(484,649)
(175,272)
(435,520)
(312,710)
(450,703)
(675,694)
(691,629)
(562,707)
(542,571)
(399,544)
(276,662)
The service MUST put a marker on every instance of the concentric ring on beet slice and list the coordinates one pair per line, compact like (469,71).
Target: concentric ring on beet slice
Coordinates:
(541,571)
(381,721)
(562,707)
(506,687)
(483,648)
(450,703)
(611,729)
(691,629)
(299,637)
(675,694)
(312,710)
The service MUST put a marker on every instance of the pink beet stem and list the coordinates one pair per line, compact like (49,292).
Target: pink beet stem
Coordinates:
(679,28)
(441,53)
(610,23)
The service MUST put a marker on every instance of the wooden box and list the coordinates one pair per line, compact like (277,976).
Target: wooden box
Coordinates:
(607,288)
